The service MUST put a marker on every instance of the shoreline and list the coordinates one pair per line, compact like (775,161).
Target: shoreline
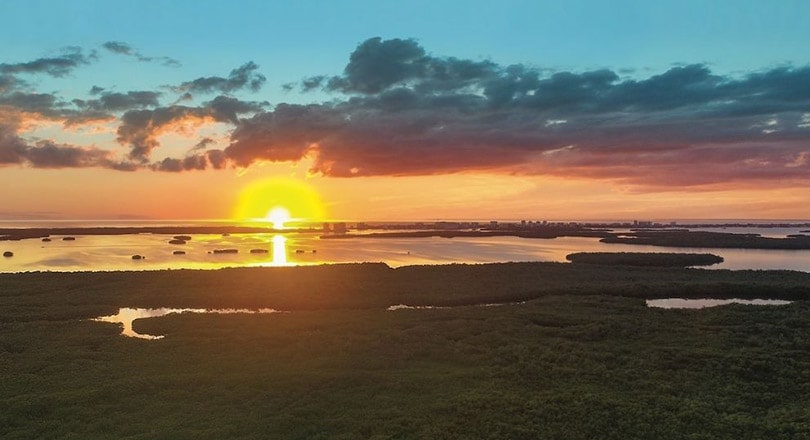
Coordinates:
(13,234)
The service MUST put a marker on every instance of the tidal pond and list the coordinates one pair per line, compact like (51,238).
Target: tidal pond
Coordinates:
(126,315)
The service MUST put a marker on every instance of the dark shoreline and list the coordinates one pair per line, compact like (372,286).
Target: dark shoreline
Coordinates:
(655,237)
(27,233)
(663,237)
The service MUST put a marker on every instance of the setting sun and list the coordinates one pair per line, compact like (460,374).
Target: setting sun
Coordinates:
(278,216)
(279,200)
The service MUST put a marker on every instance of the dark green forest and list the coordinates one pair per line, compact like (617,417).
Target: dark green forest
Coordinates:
(572,353)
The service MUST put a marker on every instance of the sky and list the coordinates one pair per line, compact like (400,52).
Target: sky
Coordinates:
(376,110)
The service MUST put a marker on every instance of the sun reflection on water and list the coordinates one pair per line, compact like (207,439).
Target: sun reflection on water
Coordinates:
(280,251)
(126,315)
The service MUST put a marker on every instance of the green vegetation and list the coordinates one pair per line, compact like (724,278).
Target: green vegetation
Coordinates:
(653,259)
(680,238)
(582,358)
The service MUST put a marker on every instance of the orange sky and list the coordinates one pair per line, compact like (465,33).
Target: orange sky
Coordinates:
(107,194)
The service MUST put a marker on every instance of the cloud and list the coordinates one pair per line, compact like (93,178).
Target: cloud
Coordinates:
(121,48)
(57,66)
(407,112)
(226,108)
(139,129)
(114,102)
(243,77)
(9,82)
(210,159)
(396,110)
(377,65)
(47,154)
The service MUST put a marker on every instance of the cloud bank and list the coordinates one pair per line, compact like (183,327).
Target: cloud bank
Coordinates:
(399,110)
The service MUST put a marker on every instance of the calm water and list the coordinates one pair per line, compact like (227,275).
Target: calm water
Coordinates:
(115,252)
(125,316)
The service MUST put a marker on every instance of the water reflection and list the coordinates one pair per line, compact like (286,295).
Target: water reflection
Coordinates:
(280,251)
(115,252)
(126,315)
(682,303)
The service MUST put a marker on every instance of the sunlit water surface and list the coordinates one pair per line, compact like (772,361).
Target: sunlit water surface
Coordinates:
(125,316)
(100,252)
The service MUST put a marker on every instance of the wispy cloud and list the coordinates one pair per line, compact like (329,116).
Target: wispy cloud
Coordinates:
(57,66)
(243,77)
(121,48)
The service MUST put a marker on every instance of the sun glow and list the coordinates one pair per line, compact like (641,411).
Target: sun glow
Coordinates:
(278,216)
(279,200)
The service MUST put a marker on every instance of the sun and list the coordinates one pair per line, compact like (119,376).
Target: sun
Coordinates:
(279,200)
(278,215)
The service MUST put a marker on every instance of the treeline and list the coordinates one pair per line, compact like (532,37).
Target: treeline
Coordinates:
(708,240)
(647,259)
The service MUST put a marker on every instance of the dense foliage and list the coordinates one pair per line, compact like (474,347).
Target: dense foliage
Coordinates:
(582,358)
(682,238)
(653,259)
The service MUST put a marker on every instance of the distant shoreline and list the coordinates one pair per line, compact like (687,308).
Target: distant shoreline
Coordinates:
(663,237)
(26,233)
(655,235)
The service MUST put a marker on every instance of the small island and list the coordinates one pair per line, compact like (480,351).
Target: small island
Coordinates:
(702,239)
(645,259)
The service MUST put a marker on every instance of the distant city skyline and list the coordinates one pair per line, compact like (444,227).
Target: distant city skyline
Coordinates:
(405,111)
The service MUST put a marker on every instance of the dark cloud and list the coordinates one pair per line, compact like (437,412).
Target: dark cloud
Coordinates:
(140,128)
(118,47)
(9,82)
(283,134)
(12,147)
(44,103)
(377,65)
(411,113)
(214,159)
(125,49)
(243,77)
(57,66)
(116,102)
(203,144)
(226,108)
(399,110)
(47,154)
(312,83)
